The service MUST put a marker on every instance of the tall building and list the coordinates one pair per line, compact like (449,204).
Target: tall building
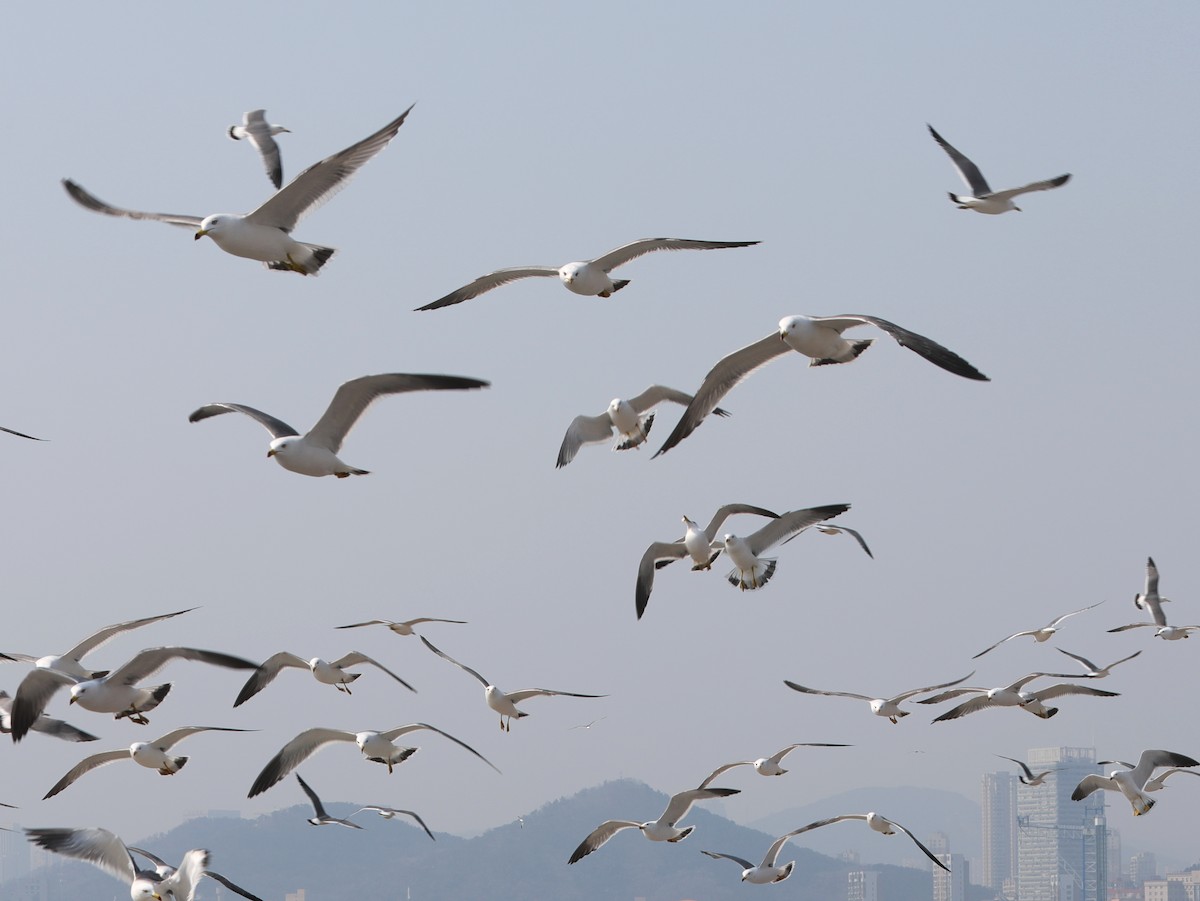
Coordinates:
(1061,844)
(862,885)
(951,886)
(1142,867)
(999,810)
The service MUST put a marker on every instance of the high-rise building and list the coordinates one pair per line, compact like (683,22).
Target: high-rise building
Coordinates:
(999,810)
(1062,844)
(1142,867)
(862,885)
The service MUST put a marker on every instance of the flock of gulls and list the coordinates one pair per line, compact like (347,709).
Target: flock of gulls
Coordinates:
(265,235)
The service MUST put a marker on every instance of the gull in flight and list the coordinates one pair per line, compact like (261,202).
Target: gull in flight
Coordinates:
(377,747)
(1161,630)
(1029,778)
(697,543)
(817,337)
(316,452)
(265,234)
(1039,635)
(982,198)
(750,569)
(320,817)
(505,703)
(164,870)
(661,830)
(262,136)
(150,754)
(389,813)
(766,872)
(44,724)
(586,277)
(829,529)
(404,628)
(629,418)
(103,848)
(1159,782)
(879,824)
(1093,671)
(115,693)
(20,434)
(1013,695)
(769,766)
(325,672)
(1149,599)
(1131,782)
(888,707)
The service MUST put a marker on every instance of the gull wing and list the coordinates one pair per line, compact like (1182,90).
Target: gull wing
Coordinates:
(599,836)
(258,132)
(635,249)
(182,883)
(175,736)
(526,693)
(318,807)
(926,347)
(356,657)
(446,656)
(834,530)
(1136,626)
(1001,641)
(657,552)
(1066,688)
(721,769)
(151,660)
(1055,622)
(1034,186)
(1091,783)
(745,864)
(967,170)
(1024,766)
(100,637)
(583,430)
(1151,576)
(980,702)
(682,802)
(392,811)
(727,373)
(1091,667)
(277,427)
(96,846)
(728,510)
(1151,760)
(233,887)
(322,180)
(95,204)
(265,674)
(918,843)
(294,753)
(904,696)
(829,694)
(789,523)
(353,398)
(487,282)
(33,694)
(86,765)
(59,729)
(393,734)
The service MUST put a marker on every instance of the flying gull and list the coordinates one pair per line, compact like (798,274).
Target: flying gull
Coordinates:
(1131,782)
(1014,695)
(505,703)
(697,543)
(315,454)
(826,528)
(587,277)
(769,766)
(766,872)
(389,813)
(629,418)
(1093,671)
(750,569)
(1161,630)
(1158,782)
(262,135)
(888,707)
(817,337)
(165,870)
(403,628)
(150,754)
(265,234)
(320,817)
(116,693)
(982,198)
(1030,778)
(327,673)
(378,747)
(661,830)
(1039,635)
(1149,599)
(879,824)
(45,724)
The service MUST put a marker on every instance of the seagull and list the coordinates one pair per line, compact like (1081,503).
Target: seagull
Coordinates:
(115,693)
(1013,695)
(750,570)
(661,830)
(44,724)
(983,199)
(1039,635)
(827,529)
(587,277)
(1093,671)
(315,454)
(879,824)
(1029,778)
(1150,599)
(262,135)
(1131,782)
(265,234)
(586,725)
(165,870)
(818,337)
(404,628)
(1161,630)
(769,766)
(696,543)
(320,817)
(325,672)
(109,853)
(766,872)
(504,703)
(389,813)
(20,434)
(150,754)
(375,746)
(889,707)
(626,417)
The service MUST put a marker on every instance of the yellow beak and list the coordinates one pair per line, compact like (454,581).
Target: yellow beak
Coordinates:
(200,234)
(272,452)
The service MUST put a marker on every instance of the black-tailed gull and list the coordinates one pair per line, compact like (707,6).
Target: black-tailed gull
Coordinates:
(982,198)
(261,135)
(885,707)
(1029,777)
(1131,782)
(769,766)
(389,813)
(766,872)
(1094,671)
(164,870)
(326,672)
(1014,695)
(750,569)
(320,817)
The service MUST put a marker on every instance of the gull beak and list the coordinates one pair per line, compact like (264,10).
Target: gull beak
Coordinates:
(272,452)
(200,234)
(72,701)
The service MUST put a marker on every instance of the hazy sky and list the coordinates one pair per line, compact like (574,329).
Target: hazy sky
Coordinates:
(543,134)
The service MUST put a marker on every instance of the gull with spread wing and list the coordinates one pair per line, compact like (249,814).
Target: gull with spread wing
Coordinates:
(165,871)
(766,872)
(887,707)
(403,628)
(320,817)
(769,766)
(1131,782)
(982,198)
(326,672)
(389,813)
(880,824)
(1093,671)
(261,135)
(750,569)
(1029,778)
(1039,635)
(1014,695)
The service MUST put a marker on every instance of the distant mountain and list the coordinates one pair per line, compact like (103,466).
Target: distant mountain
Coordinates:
(923,811)
(280,853)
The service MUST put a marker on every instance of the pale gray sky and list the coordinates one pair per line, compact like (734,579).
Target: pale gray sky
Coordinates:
(543,134)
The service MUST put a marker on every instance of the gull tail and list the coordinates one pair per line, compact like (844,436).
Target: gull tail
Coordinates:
(707,565)
(787,871)
(309,263)
(755,577)
(639,436)
(172,766)
(619,284)
(157,694)
(686,832)
(856,348)
(342,475)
